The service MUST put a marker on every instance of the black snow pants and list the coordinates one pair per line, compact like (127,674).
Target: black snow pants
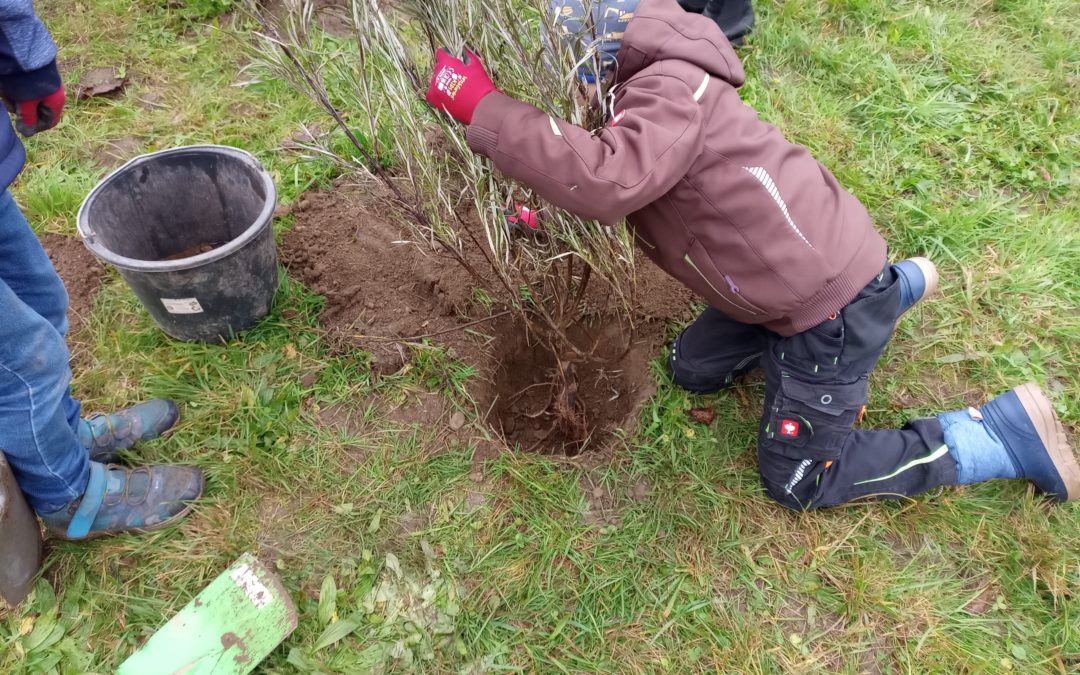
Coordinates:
(809,454)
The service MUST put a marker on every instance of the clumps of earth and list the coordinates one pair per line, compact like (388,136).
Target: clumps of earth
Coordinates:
(383,292)
(81,272)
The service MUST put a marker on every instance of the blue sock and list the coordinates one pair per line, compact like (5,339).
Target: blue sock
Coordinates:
(978,452)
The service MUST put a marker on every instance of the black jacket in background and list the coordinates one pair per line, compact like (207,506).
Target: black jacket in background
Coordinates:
(735,17)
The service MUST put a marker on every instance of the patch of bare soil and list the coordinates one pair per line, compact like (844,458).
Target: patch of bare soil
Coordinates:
(80,271)
(333,16)
(601,506)
(278,532)
(346,420)
(982,588)
(381,289)
(117,151)
(378,286)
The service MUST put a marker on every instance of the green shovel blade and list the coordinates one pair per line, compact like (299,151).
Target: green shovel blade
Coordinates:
(232,625)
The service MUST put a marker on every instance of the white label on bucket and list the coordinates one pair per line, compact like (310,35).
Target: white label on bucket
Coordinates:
(182,306)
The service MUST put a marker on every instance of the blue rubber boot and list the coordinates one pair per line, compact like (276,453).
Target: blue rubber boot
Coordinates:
(918,279)
(103,435)
(120,499)
(1016,435)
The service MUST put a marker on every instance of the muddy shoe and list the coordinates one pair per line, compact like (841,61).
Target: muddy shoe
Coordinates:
(120,499)
(103,435)
(918,279)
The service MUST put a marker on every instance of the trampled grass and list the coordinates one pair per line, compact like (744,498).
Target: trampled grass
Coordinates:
(955,122)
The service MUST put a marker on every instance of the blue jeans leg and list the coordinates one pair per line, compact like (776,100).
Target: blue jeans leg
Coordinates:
(38,416)
(35,281)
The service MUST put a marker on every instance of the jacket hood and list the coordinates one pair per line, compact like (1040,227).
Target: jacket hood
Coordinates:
(662,30)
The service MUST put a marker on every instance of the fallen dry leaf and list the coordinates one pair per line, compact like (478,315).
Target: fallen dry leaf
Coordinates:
(100,82)
(308,133)
(702,415)
(981,602)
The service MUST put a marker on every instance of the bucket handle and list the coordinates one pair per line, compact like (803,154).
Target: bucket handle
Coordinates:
(86,233)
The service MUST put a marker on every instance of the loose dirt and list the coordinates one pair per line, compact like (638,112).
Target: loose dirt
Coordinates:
(380,288)
(80,271)
(191,251)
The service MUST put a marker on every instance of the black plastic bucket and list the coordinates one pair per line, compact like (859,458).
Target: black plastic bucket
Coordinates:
(190,231)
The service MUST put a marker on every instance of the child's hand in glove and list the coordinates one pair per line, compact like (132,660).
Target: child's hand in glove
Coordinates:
(458,85)
(523,219)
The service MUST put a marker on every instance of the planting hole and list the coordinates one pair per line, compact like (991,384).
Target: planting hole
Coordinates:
(570,404)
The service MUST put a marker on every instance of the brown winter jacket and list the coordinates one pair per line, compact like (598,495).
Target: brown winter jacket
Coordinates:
(716,197)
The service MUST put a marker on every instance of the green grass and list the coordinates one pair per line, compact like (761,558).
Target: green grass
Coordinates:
(955,122)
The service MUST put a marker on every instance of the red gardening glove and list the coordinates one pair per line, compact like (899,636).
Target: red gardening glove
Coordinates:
(38,114)
(457,86)
(523,219)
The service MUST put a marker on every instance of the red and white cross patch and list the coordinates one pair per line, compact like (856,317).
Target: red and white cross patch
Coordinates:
(789,428)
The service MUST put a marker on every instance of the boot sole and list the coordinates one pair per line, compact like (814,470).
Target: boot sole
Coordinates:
(930,277)
(140,530)
(1052,434)
(930,274)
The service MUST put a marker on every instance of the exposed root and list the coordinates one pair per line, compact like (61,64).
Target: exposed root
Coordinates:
(568,408)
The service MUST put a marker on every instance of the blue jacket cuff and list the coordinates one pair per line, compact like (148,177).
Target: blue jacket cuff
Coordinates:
(26,86)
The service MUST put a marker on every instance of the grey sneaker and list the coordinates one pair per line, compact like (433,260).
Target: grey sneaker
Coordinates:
(121,499)
(103,435)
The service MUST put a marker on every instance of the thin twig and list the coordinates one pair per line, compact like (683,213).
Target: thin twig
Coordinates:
(585,277)
(324,100)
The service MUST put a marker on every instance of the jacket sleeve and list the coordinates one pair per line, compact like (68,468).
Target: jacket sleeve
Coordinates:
(27,52)
(653,139)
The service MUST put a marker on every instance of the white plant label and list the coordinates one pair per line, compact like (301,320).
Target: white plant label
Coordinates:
(182,305)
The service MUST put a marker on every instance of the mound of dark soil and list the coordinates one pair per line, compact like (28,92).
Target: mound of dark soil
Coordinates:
(81,272)
(380,289)
(378,286)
